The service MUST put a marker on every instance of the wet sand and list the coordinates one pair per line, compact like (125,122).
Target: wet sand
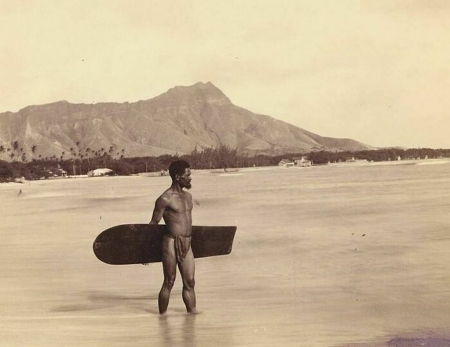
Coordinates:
(323,256)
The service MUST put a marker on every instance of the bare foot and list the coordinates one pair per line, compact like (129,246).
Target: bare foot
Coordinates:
(194,311)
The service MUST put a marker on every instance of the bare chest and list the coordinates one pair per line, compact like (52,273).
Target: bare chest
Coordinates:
(181,204)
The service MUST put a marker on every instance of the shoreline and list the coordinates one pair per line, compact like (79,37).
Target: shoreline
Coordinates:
(240,170)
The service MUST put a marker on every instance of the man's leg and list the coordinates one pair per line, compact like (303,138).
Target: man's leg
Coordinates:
(187,270)
(169,262)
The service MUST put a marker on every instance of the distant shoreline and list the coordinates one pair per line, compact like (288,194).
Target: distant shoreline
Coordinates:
(232,171)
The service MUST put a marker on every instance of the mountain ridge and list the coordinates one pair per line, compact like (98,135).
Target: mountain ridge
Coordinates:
(177,121)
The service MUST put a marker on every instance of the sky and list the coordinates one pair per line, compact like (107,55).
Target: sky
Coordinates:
(376,71)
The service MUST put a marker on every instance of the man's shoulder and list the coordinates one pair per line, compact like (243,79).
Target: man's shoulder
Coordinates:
(165,197)
(168,195)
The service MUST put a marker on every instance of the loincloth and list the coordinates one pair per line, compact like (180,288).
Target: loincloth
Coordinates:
(182,245)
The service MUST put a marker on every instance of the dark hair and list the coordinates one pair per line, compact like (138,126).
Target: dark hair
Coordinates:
(178,167)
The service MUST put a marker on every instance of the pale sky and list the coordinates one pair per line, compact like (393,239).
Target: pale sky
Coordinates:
(374,71)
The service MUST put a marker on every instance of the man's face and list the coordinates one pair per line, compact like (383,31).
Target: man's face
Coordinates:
(185,179)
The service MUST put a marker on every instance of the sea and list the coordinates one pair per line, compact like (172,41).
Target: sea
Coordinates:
(334,255)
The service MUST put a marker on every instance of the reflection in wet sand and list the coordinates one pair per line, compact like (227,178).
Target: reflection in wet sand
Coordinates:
(175,335)
(101,300)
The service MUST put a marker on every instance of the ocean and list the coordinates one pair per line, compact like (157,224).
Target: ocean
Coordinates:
(337,255)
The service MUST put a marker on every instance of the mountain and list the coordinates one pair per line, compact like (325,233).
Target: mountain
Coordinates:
(178,121)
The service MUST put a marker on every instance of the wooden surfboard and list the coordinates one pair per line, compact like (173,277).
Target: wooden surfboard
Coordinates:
(141,243)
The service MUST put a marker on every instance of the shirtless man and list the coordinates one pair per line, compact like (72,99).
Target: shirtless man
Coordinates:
(175,206)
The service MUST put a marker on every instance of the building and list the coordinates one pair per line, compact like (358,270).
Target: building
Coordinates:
(101,172)
(302,162)
(286,163)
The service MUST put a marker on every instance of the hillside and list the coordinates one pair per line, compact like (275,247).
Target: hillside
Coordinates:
(178,121)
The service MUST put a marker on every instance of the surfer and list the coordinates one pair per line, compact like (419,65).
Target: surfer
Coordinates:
(175,207)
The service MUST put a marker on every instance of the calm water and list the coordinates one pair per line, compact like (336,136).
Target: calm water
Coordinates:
(323,256)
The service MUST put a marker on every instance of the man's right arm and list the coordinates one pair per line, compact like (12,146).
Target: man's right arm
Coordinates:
(160,207)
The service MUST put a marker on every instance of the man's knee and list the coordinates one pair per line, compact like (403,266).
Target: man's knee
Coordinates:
(189,282)
(169,282)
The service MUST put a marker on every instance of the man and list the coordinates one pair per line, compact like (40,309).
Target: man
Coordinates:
(175,206)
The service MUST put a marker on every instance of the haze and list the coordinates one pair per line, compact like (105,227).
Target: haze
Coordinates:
(373,71)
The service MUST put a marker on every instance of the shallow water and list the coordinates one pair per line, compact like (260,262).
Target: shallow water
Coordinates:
(323,256)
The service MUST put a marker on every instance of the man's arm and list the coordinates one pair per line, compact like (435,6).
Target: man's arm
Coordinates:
(158,212)
(160,207)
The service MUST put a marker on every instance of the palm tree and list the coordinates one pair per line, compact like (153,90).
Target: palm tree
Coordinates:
(88,157)
(15,147)
(74,167)
(110,153)
(33,151)
(81,161)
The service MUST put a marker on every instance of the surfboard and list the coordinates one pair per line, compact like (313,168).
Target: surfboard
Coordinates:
(141,243)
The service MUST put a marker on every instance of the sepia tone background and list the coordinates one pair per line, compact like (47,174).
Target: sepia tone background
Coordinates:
(326,256)
(373,71)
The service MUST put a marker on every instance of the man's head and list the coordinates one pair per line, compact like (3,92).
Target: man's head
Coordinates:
(180,172)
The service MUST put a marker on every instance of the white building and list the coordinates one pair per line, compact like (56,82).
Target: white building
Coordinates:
(101,172)
(286,163)
(302,162)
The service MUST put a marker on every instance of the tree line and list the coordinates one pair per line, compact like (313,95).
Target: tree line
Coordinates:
(386,154)
(16,153)
(79,161)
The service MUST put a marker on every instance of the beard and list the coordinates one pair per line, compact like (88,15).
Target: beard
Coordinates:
(188,186)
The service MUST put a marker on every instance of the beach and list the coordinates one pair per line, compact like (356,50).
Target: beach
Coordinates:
(346,255)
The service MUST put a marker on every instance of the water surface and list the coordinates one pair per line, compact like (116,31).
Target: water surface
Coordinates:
(323,256)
